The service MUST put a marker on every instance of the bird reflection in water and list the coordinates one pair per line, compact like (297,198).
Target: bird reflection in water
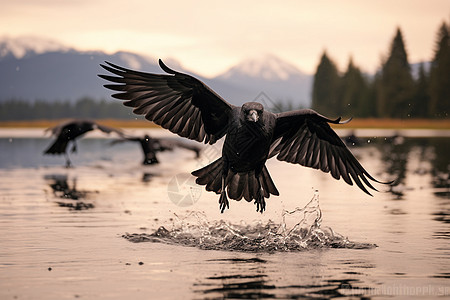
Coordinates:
(247,280)
(147,177)
(63,190)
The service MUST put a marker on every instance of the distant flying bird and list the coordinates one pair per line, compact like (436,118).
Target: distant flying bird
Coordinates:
(71,130)
(150,146)
(186,106)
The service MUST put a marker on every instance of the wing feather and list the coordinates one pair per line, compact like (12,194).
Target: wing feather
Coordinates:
(178,102)
(305,137)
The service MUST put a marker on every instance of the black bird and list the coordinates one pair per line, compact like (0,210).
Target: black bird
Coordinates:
(71,130)
(150,146)
(186,106)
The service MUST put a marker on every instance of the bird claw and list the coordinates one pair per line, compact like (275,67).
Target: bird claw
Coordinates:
(223,202)
(260,204)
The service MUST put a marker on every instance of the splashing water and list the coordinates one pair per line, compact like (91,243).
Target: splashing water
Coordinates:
(300,230)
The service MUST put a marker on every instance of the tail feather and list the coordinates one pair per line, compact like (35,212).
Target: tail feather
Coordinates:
(268,183)
(216,184)
(235,185)
(246,193)
(252,189)
(210,176)
(238,185)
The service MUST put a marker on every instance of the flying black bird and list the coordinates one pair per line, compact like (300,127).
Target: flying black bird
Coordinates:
(71,130)
(150,146)
(186,106)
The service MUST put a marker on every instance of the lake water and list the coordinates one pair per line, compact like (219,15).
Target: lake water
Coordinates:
(110,228)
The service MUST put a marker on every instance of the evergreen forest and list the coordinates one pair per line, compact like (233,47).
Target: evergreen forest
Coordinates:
(392,92)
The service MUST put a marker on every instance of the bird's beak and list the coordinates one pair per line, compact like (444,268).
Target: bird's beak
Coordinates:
(253,116)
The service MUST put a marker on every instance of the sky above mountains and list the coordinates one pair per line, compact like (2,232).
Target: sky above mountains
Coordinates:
(211,36)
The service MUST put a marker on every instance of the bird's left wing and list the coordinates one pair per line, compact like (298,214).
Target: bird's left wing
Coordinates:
(178,102)
(304,137)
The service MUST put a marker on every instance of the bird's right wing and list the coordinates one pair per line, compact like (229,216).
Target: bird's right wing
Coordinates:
(57,129)
(123,139)
(178,102)
(108,129)
(304,137)
(178,143)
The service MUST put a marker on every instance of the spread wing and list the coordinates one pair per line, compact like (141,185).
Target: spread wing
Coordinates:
(108,129)
(178,102)
(304,137)
(57,129)
(178,143)
(81,126)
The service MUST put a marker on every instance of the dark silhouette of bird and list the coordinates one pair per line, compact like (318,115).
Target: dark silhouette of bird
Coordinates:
(150,146)
(70,131)
(186,106)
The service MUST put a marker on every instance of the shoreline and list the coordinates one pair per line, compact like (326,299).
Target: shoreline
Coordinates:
(370,133)
(442,124)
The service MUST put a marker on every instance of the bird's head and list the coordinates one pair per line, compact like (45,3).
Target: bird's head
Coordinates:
(252,111)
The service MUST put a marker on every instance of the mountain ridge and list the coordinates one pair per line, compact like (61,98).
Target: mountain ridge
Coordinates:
(265,66)
(42,69)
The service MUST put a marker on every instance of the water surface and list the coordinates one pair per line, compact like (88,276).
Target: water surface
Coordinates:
(110,228)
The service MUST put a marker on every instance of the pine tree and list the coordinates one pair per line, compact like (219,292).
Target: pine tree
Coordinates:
(370,108)
(440,76)
(326,88)
(354,92)
(420,103)
(396,87)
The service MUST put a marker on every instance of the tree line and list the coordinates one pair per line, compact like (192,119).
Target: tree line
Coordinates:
(393,92)
(83,108)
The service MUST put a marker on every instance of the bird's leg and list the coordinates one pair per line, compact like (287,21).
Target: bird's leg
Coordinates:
(74,146)
(68,162)
(259,201)
(223,200)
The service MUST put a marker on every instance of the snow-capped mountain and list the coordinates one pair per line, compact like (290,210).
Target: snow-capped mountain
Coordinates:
(24,46)
(276,78)
(33,68)
(267,67)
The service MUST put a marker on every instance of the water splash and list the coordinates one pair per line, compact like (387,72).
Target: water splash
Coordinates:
(300,230)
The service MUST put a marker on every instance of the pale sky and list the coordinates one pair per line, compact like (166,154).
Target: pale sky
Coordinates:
(208,37)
